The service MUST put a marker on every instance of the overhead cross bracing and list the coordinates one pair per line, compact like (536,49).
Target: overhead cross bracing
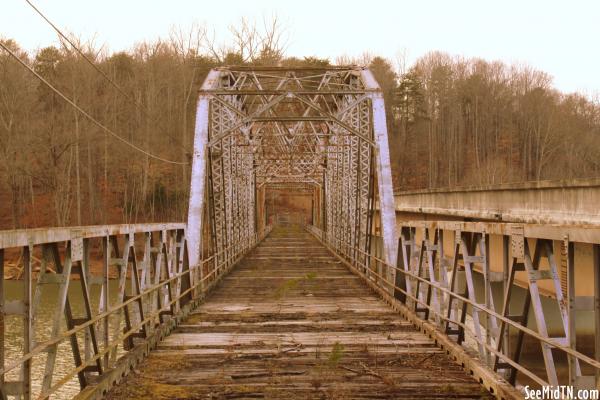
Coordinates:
(258,128)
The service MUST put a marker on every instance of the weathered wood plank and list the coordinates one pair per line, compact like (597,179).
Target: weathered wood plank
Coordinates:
(292,322)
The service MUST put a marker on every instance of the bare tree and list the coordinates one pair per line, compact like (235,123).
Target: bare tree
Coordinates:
(452,121)
(251,44)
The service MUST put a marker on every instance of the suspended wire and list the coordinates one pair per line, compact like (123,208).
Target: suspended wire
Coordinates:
(93,64)
(82,111)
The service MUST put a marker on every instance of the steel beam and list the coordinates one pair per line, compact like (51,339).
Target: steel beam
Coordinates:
(384,173)
(198,176)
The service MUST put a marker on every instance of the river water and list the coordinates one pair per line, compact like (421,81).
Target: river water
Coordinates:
(43,327)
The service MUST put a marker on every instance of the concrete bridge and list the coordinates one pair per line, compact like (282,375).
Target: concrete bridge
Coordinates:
(573,202)
(352,299)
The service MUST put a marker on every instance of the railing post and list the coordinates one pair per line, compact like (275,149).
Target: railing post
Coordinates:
(570,295)
(27,321)
(104,296)
(400,278)
(596,266)
(2,337)
(505,339)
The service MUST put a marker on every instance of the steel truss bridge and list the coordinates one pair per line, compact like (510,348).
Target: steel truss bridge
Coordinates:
(347,302)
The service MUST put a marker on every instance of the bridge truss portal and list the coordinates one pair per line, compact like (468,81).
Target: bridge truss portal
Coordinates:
(257,128)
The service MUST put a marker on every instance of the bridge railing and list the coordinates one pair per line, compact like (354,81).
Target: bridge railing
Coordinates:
(62,306)
(447,284)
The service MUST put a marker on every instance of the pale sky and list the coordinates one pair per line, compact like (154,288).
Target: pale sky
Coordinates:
(558,37)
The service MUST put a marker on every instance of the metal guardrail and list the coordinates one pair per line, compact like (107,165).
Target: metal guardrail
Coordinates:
(439,295)
(154,293)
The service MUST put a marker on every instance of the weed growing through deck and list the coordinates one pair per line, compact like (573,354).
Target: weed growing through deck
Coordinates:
(286,287)
(324,370)
(310,276)
(448,388)
(337,352)
(292,284)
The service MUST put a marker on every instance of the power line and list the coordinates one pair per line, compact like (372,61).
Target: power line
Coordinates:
(82,111)
(89,61)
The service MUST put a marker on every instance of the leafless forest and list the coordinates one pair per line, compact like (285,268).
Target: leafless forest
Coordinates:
(452,121)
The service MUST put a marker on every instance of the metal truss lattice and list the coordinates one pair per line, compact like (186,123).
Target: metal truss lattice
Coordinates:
(270,127)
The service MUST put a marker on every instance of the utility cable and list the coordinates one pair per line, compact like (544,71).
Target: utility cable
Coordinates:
(82,111)
(93,64)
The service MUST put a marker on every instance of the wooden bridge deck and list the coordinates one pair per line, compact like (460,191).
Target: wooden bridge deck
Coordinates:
(291,321)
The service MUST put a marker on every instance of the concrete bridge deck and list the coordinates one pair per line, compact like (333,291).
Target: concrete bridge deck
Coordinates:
(291,321)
